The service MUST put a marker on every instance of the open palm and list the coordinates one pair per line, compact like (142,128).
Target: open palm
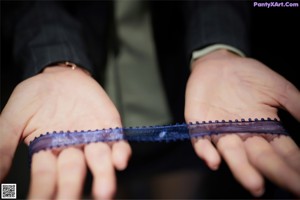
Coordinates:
(224,86)
(63,99)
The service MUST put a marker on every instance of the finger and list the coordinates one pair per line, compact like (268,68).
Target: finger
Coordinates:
(232,150)
(99,160)
(206,151)
(71,173)
(43,175)
(288,150)
(121,153)
(265,159)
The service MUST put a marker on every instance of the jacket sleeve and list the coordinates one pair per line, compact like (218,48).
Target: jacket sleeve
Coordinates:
(216,22)
(47,34)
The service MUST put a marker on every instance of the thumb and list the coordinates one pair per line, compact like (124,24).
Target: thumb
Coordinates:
(8,143)
(291,100)
(12,123)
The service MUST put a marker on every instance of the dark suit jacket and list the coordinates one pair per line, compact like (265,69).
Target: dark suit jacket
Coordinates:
(81,31)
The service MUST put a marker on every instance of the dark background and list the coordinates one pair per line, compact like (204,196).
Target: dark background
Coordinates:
(274,40)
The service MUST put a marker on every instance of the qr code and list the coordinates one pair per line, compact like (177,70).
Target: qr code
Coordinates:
(8,191)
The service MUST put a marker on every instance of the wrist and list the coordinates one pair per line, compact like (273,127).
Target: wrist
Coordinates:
(220,54)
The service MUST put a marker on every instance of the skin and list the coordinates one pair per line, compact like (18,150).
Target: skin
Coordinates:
(63,99)
(221,86)
(225,86)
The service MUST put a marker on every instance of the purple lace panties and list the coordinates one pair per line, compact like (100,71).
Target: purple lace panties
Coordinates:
(267,128)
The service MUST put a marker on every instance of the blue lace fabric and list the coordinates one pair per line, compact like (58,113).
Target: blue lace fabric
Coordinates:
(268,128)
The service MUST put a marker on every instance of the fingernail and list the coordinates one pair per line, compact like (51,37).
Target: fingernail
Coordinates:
(259,192)
(214,167)
(103,191)
(121,162)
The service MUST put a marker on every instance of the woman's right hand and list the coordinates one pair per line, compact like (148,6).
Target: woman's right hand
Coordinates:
(61,99)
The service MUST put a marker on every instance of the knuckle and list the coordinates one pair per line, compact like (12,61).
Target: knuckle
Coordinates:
(71,158)
(42,170)
(98,150)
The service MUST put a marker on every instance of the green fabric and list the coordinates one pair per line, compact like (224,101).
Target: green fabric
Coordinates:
(133,79)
